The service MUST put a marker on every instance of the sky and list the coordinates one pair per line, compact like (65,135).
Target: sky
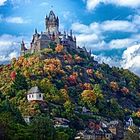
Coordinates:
(110,28)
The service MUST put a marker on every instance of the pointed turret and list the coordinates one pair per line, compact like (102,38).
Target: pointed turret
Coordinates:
(23,48)
(52,23)
(36,31)
(71,33)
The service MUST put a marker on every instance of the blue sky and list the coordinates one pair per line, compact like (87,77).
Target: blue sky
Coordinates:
(111,28)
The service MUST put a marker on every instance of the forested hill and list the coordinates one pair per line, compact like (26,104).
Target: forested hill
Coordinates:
(69,81)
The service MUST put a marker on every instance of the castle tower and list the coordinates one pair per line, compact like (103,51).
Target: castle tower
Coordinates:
(52,24)
(23,48)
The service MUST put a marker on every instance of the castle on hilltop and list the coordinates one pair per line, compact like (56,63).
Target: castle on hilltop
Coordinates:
(52,35)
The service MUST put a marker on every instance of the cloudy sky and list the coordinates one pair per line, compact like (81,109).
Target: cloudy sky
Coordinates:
(111,28)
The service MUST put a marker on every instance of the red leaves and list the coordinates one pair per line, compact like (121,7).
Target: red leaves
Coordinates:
(13,75)
(89,71)
(72,79)
(68,58)
(125,90)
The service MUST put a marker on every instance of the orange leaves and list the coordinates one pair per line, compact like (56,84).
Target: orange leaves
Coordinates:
(78,59)
(88,96)
(87,86)
(52,65)
(138,113)
(125,90)
(114,86)
(59,48)
(13,75)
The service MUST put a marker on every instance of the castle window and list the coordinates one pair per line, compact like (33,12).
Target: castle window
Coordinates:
(39,95)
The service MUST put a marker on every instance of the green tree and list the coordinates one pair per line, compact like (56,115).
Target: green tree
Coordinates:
(19,83)
(42,128)
(98,91)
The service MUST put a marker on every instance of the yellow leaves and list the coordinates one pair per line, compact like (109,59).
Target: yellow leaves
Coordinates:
(88,96)
(26,74)
(87,86)
(59,48)
(64,94)
(138,113)
(99,74)
(114,86)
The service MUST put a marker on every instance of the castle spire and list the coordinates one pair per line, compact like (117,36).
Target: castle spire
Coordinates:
(71,33)
(35,31)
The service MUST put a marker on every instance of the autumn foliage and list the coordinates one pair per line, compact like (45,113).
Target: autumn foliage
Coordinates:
(13,75)
(88,96)
(89,71)
(125,90)
(114,86)
(59,48)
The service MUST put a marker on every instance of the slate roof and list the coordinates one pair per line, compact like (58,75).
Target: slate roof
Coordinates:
(34,90)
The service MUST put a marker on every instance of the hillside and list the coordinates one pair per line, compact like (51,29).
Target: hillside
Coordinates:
(69,81)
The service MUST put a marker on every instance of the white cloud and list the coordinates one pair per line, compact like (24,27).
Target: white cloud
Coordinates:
(121,43)
(17,20)
(9,47)
(44,4)
(93,35)
(92,4)
(119,25)
(14,2)
(131,57)
(2,2)
(112,61)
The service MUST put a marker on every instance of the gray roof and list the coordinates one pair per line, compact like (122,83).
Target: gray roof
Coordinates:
(44,37)
(34,90)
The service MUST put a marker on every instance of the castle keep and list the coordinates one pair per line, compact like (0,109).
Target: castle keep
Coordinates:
(51,35)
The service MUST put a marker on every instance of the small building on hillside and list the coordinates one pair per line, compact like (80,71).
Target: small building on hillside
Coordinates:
(61,122)
(27,119)
(34,94)
(129,122)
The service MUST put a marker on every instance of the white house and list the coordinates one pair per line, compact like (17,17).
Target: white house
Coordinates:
(34,94)
(129,122)
(27,119)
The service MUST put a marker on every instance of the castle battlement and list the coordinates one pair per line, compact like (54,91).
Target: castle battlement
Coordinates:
(51,35)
